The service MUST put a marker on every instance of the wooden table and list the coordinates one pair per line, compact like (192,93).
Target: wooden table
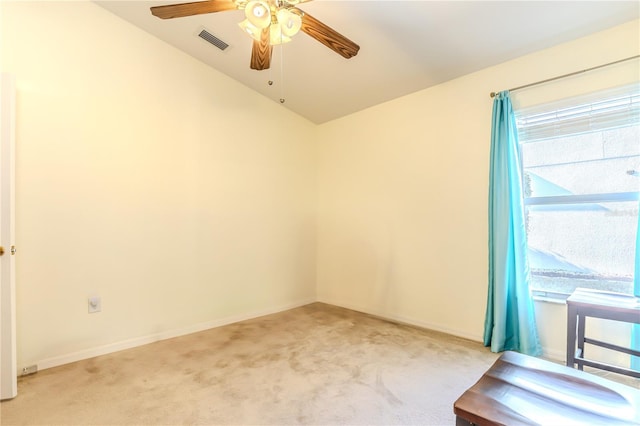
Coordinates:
(585,303)
(524,390)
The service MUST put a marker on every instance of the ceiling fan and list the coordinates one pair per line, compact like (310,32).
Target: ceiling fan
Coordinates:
(268,22)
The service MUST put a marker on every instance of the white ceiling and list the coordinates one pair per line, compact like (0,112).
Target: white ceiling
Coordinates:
(405,46)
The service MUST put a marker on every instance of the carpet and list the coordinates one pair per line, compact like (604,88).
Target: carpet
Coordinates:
(314,365)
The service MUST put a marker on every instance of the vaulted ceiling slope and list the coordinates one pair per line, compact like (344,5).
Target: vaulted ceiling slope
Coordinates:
(405,46)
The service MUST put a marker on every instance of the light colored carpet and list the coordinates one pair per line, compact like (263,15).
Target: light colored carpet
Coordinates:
(314,365)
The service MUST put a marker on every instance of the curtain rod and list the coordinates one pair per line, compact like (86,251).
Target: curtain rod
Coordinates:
(493,94)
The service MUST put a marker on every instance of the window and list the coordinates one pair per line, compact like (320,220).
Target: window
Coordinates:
(581,179)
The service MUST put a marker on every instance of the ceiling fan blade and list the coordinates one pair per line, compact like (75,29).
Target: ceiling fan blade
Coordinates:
(327,36)
(261,52)
(193,8)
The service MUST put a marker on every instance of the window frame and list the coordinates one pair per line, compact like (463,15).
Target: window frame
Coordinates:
(627,196)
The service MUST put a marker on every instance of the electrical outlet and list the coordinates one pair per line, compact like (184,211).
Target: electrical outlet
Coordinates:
(32,369)
(95,304)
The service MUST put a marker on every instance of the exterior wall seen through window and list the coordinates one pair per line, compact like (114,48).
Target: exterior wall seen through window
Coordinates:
(581,208)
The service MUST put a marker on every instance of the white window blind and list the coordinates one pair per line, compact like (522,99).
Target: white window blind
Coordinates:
(608,109)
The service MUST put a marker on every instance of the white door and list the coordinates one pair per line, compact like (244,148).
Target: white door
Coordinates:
(8,368)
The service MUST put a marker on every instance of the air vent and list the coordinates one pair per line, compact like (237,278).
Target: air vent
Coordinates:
(206,35)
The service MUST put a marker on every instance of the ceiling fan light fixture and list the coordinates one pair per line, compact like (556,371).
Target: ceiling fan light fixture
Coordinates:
(258,12)
(268,22)
(290,23)
(277,36)
(249,28)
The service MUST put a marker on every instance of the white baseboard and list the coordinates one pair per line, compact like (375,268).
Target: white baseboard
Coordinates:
(554,355)
(406,320)
(168,334)
(551,354)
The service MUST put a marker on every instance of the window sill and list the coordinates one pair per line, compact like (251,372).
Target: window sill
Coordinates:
(550,297)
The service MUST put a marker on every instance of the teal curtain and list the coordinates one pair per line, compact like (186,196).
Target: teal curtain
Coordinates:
(510,319)
(635,331)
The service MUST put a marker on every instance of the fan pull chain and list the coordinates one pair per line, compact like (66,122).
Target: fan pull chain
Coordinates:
(281,73)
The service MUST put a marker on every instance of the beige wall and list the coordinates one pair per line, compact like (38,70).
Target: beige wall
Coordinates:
(402,216)
(138,180)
